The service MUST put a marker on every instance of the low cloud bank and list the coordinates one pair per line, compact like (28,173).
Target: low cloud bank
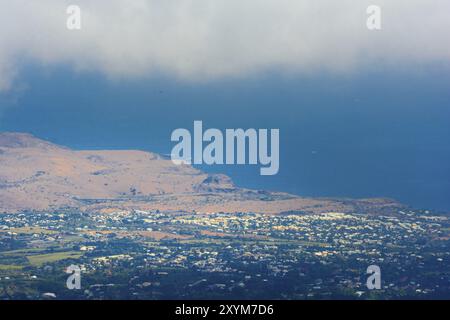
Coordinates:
(209,39)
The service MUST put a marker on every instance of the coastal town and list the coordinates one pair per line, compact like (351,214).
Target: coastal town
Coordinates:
(133,254)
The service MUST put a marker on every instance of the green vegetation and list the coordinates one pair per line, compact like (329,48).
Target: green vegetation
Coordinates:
(40,259)
(30,230)
(5,267)
(22,251)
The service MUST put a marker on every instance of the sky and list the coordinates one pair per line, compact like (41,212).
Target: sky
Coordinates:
(209,39)
(361,113)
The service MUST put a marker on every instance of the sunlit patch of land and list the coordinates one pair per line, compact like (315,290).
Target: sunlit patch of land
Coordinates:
(41,259)
(29,230)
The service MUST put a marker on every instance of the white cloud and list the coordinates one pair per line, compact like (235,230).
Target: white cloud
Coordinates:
(197,40)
